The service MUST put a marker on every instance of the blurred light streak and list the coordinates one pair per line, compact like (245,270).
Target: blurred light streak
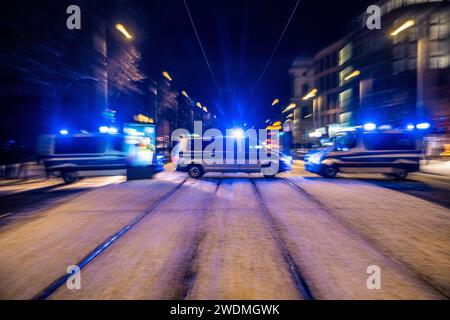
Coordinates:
(124,31)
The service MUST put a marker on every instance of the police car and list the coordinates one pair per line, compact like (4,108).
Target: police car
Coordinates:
(393,153)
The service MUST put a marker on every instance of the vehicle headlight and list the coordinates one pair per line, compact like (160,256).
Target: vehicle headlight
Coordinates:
(286,159)
(315,158)
(160,159)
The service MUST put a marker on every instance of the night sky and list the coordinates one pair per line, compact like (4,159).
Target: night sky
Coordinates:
(238,37)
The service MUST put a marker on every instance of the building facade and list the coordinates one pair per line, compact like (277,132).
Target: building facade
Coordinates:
(300,117)
(326,107)
(394,76)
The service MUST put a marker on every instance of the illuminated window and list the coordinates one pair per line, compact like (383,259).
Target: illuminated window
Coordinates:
(439,62)
(345,98)
(345,54)
(434,32)
(344,73)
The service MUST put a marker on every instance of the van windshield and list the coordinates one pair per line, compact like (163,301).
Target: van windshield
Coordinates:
(389,141)
(75,145)
(345,141)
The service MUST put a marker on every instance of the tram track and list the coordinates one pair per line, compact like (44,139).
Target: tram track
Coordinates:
(190,273)
(55,285)
(297,277)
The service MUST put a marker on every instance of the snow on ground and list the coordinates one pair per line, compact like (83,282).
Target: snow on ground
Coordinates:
(209,243)
(159,259)
(7,189)
(412,231)
(238,257)
(37,250)
(436,167)
(152,259)
(332,258)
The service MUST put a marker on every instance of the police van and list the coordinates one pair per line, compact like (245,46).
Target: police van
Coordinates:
(83,155)
(235,157)
(392,153)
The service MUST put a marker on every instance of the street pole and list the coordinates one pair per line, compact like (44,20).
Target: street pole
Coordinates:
(156,101)
(421,77)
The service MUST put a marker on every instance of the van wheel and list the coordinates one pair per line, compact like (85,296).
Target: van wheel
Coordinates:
(69,177)
(195,171)
(330,172)
(268,172)
(400,174)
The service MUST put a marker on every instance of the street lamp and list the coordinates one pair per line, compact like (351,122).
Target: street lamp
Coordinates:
(167,75)
(124,31)
(352,75)
(289,107)
(404,26)
(310,95)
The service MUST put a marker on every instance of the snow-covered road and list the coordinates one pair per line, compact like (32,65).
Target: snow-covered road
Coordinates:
(231,236)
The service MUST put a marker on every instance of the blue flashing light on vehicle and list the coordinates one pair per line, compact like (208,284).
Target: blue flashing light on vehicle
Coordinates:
(238,134)
(423,126)
(103,129)
(110,130)
(64,132)
(113,130)
(370,126)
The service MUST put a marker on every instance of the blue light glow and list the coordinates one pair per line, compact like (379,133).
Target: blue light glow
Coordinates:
(370,126)
(64,132)
(103,129)
(238,133)
(113,130)
(410,127)
(423,126)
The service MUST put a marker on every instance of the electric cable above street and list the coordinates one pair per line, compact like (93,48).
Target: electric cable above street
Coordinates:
(273,51)
(201,47)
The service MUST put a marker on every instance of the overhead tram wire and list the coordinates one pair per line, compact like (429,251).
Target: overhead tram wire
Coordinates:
(201,47)
(273,51)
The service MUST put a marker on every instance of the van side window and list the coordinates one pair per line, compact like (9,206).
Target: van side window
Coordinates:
(386,141)
(345,142)
(75,145)
(117,143)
